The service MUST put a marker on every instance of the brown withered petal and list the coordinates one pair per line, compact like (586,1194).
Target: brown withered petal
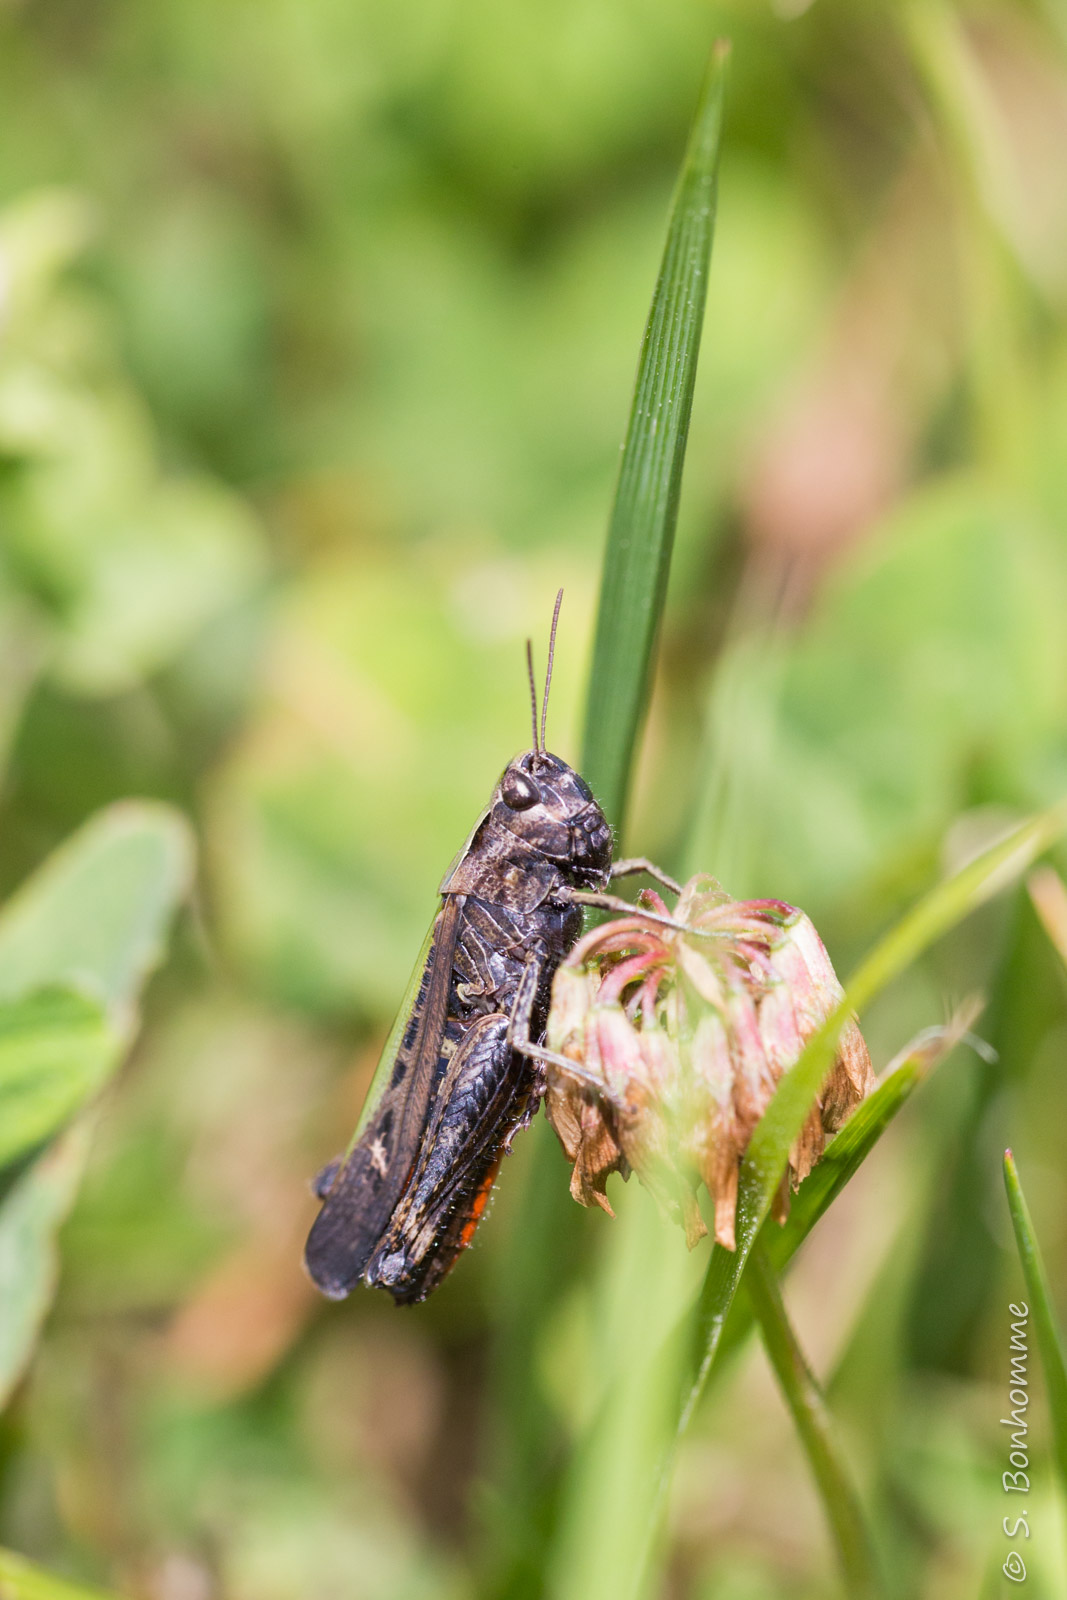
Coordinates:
(851,1080)
(588,1142)
(689,1035)
(578,1116)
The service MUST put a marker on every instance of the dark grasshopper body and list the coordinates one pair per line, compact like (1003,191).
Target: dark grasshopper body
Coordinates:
(406,1199)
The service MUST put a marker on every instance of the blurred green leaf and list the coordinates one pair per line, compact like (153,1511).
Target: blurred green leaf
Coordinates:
(30,1214)
(92,918)
(21,1580)
(641,532)
(95,914)
(56,1049)
(1046,1326)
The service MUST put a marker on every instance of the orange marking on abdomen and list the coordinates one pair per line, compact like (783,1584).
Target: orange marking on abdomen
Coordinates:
(478,1205)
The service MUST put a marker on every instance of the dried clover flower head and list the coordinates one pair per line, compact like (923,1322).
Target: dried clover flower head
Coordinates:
(681,1038)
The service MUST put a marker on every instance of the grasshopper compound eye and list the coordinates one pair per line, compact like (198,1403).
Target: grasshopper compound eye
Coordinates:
(517,791)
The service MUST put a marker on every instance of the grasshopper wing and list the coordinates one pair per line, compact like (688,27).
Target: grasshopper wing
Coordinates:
(483,1098)
(361,1191)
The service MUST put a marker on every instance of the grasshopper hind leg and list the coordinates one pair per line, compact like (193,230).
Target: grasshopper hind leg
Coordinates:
(520,1041)
(480,1103)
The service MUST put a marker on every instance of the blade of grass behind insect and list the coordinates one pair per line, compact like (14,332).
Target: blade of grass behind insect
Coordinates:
(633,590)
(1049,1339)
(641,531)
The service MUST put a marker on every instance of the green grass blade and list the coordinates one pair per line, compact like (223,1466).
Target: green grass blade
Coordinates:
(641,531)
(850,1148)
(843,1158)
(21,1580)
(633,589)
(802,1395)
(1049,1340)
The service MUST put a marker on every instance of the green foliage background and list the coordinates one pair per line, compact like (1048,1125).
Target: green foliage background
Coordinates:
(318,326)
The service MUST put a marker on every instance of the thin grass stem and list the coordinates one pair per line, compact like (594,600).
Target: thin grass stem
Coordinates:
(802,1395)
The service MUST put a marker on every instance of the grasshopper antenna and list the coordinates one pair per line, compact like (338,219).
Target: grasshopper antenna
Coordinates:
(533,693)
(548,670)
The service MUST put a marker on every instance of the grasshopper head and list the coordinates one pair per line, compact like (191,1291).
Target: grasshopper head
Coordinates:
(550,807)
